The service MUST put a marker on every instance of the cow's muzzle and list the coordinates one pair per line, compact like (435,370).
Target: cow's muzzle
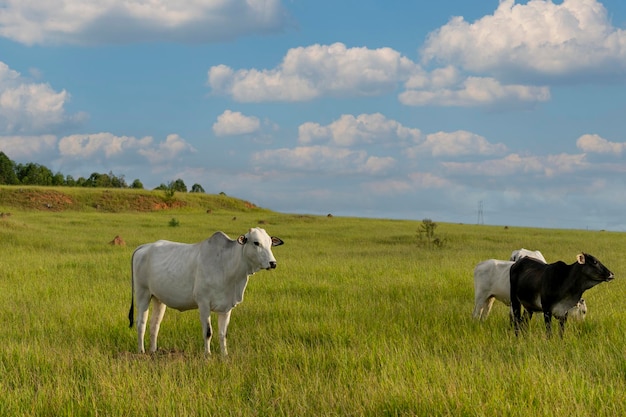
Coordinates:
(272,266)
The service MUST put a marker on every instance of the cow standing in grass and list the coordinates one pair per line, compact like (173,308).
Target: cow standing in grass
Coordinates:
(210,275)
(491,281)
(553,288)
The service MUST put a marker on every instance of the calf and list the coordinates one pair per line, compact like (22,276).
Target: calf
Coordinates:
(554,288)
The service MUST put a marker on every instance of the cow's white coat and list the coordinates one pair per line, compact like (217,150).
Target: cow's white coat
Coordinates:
(210,275)
(491,281)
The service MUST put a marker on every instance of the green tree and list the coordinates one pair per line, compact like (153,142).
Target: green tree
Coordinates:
(197,188)
(58,179)
(7,171)
(178,185)
(137,185)
(34,174)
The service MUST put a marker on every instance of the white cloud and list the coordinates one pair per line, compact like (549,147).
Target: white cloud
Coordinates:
(515,164)
(537,39)
(314,71)
(471,92)
(111,146)
(232,123)
(597,144)
(107,144)
(349,130)
(378,165)
(324,160)
(27,107)
(169,150)
(456,143)
(413,181)
(121,21)
(27,147)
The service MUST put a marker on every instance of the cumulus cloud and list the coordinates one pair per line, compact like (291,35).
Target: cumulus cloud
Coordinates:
(28,107)
(325,160)
(515,164)
(314,71)
(307,73)
(25,147)
(232,123)
(538,40)
(107,144)
(472,92)
(596,144)
(413,182)
(121,21)
(111,146)
(457,143)
(349,130)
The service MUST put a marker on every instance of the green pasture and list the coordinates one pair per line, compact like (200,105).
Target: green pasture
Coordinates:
(359,319)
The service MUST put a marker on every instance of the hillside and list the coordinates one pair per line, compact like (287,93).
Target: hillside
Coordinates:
(114,200)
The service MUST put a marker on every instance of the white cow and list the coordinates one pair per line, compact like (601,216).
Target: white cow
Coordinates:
(518,254)
(210,275)
(491,281)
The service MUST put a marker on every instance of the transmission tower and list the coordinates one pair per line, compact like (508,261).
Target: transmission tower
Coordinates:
(481,218)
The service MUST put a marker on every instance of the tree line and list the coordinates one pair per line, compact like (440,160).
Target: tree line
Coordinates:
(37,174)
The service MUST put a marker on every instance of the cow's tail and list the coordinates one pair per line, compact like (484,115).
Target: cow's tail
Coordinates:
(131,313)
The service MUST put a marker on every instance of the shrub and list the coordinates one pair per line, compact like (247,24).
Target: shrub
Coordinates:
(426,234)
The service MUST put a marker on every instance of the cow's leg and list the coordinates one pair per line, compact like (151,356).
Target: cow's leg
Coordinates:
(562,322)
(528,315)
(158,310)
(222,321)
(547,316)
(487,307)
(143,303)
(480,302)
(207,331)
(516,313)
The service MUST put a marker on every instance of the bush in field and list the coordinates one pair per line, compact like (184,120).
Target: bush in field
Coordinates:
(174,222)
(426,235)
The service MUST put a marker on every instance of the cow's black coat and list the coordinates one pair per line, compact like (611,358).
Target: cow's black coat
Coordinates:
(553,288)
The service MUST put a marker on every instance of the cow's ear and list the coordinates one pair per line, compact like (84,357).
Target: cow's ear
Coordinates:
(276,241)
(581,258)
(242,240)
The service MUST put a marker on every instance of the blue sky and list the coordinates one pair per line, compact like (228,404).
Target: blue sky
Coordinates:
(388,109)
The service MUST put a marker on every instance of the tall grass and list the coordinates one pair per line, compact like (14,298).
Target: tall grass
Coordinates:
(358,319)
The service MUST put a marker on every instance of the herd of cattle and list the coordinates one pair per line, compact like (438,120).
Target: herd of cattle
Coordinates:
(528,280)
(212,275)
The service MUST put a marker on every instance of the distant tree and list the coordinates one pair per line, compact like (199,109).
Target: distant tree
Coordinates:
(93,179)
(197,188)
(70,181)
(178,185)
(117,181)
(7,171)
(161,187)
(34,174)
(137,185)
(58,179)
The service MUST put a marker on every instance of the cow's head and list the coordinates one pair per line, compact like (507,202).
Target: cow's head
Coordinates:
(593,268)
(258,248)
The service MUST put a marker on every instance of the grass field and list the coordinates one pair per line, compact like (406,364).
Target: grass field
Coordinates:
(358,319)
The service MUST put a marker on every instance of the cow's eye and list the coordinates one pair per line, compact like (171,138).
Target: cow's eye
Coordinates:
(256,243)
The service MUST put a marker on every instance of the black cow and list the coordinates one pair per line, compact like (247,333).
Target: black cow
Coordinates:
(553,288)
